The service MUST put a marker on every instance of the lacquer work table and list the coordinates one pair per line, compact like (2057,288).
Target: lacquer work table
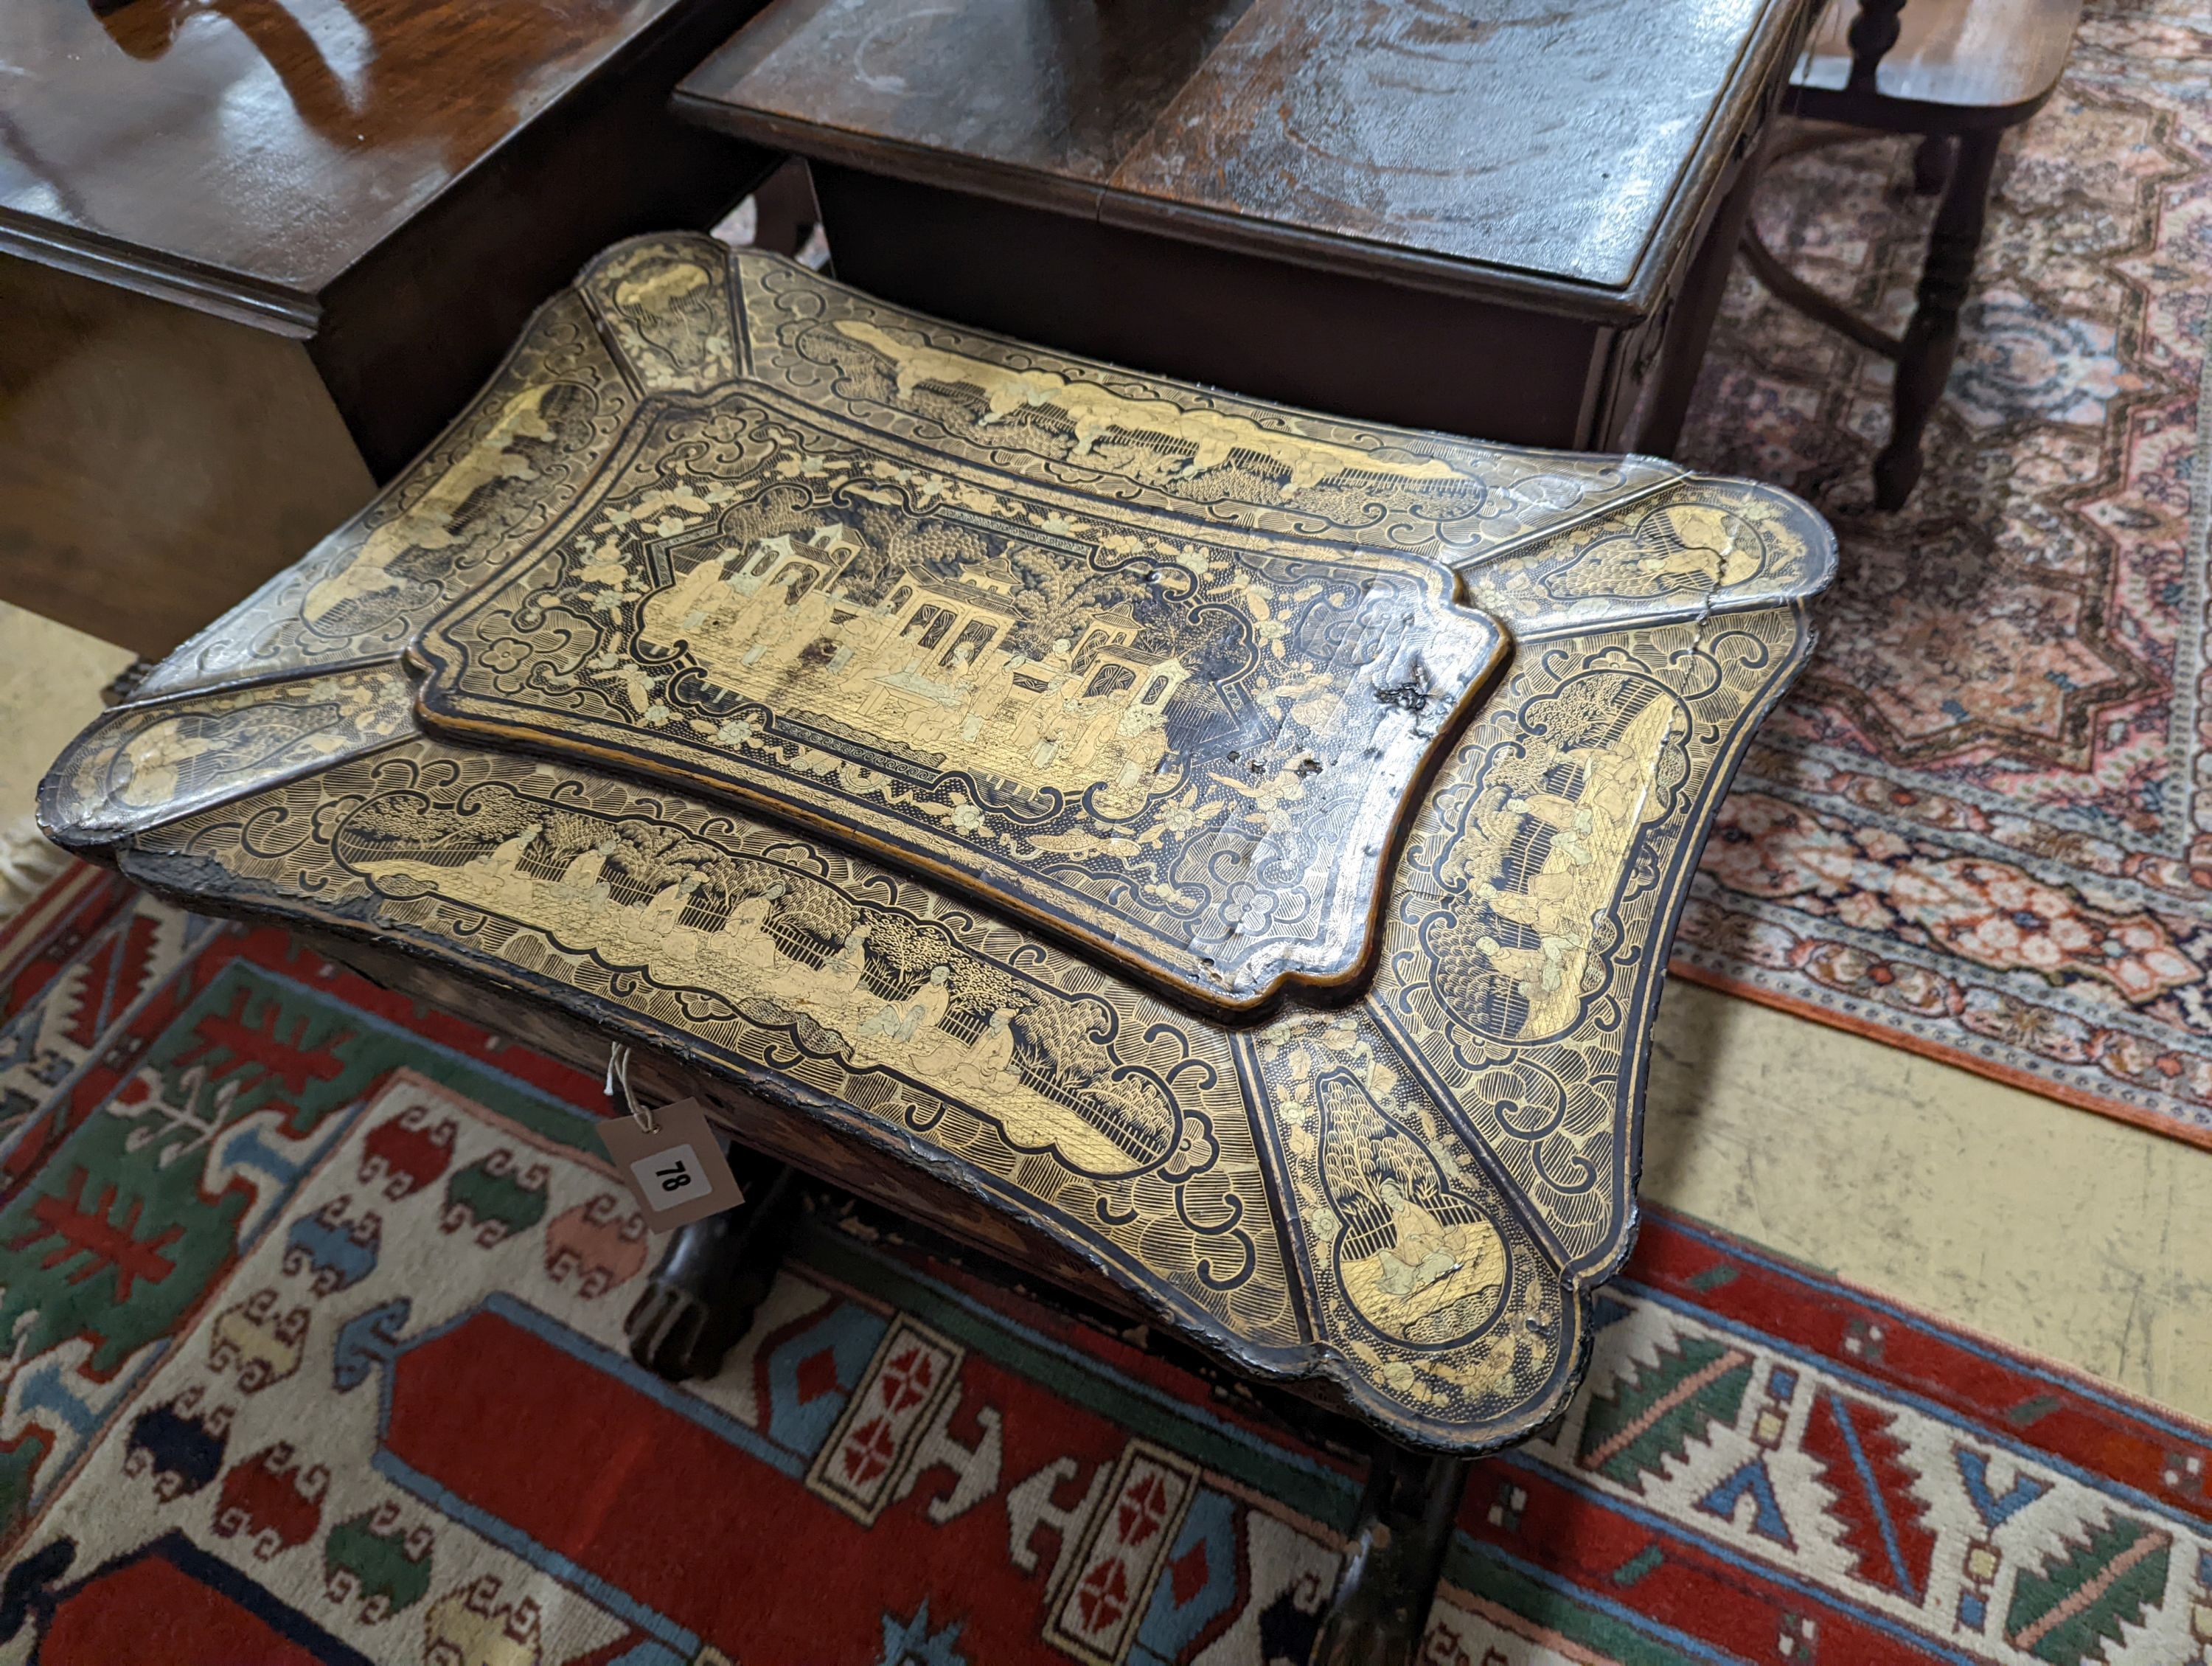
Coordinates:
(1220,857)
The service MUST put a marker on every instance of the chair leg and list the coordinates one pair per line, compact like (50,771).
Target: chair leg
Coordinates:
(1931,340)
(1396,1557)
(1931,164)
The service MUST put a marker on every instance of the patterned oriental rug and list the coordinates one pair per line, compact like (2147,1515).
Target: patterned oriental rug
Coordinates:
(312,1306)
(1982,828)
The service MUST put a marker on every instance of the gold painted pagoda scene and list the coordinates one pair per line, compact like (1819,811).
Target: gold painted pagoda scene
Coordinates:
(1104,723)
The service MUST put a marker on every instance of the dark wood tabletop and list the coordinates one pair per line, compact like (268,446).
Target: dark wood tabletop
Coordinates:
(1512,147)
(243,156)
(275,245)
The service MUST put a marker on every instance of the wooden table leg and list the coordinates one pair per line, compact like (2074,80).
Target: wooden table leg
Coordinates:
(714,1275)
(1931,164)
(1696,307)
(1931,340)
(1395,1559)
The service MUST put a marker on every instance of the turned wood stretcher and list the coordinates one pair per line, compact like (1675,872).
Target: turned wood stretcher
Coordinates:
(1221,857)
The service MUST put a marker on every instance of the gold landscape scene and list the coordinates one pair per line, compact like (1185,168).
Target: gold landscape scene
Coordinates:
(937,667)
(1185,750)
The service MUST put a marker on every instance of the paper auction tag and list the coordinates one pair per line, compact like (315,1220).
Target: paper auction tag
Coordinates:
(678,1172)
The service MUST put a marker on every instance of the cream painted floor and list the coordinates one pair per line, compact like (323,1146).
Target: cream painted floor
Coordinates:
(2068,1233)
(2058,1231)
(50,681)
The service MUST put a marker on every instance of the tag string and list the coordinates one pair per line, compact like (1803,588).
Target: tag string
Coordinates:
(618,1071)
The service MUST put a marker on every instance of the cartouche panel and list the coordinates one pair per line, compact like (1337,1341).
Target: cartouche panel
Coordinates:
(1187,749)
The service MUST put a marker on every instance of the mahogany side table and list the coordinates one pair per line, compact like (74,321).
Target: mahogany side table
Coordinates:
(251,251)
(1220,857)
(1512,221)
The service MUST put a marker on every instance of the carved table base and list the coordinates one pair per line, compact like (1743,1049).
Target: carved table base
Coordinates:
(1394,1560)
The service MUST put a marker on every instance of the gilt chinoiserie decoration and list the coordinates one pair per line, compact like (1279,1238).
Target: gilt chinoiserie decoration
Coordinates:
(1227,852)
(1074,710)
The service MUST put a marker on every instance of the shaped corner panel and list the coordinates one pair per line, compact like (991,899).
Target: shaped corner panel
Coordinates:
(509,465)
(664,304)
(149,763)
(1694,546)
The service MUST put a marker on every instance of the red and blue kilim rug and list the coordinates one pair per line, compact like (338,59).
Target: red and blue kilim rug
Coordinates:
(312,1336)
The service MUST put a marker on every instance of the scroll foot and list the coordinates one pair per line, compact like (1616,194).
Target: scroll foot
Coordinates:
(713,1277)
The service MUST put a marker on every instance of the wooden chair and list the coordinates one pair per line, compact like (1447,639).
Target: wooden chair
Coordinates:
(1961,73)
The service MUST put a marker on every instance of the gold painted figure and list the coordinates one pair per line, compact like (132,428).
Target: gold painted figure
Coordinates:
(785,622)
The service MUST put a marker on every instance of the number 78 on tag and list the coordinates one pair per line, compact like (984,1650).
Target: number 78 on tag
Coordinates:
(676,1172)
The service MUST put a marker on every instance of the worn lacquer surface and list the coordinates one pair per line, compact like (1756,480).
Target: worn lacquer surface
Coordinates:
(1405,1195)
(156,759)
(1185,748)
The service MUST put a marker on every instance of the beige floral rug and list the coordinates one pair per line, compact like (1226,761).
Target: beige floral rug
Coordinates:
(1982,828)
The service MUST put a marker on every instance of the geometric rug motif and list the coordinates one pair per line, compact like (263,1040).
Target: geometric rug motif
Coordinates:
(165,1084)
(392,1419)
(1981,827)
